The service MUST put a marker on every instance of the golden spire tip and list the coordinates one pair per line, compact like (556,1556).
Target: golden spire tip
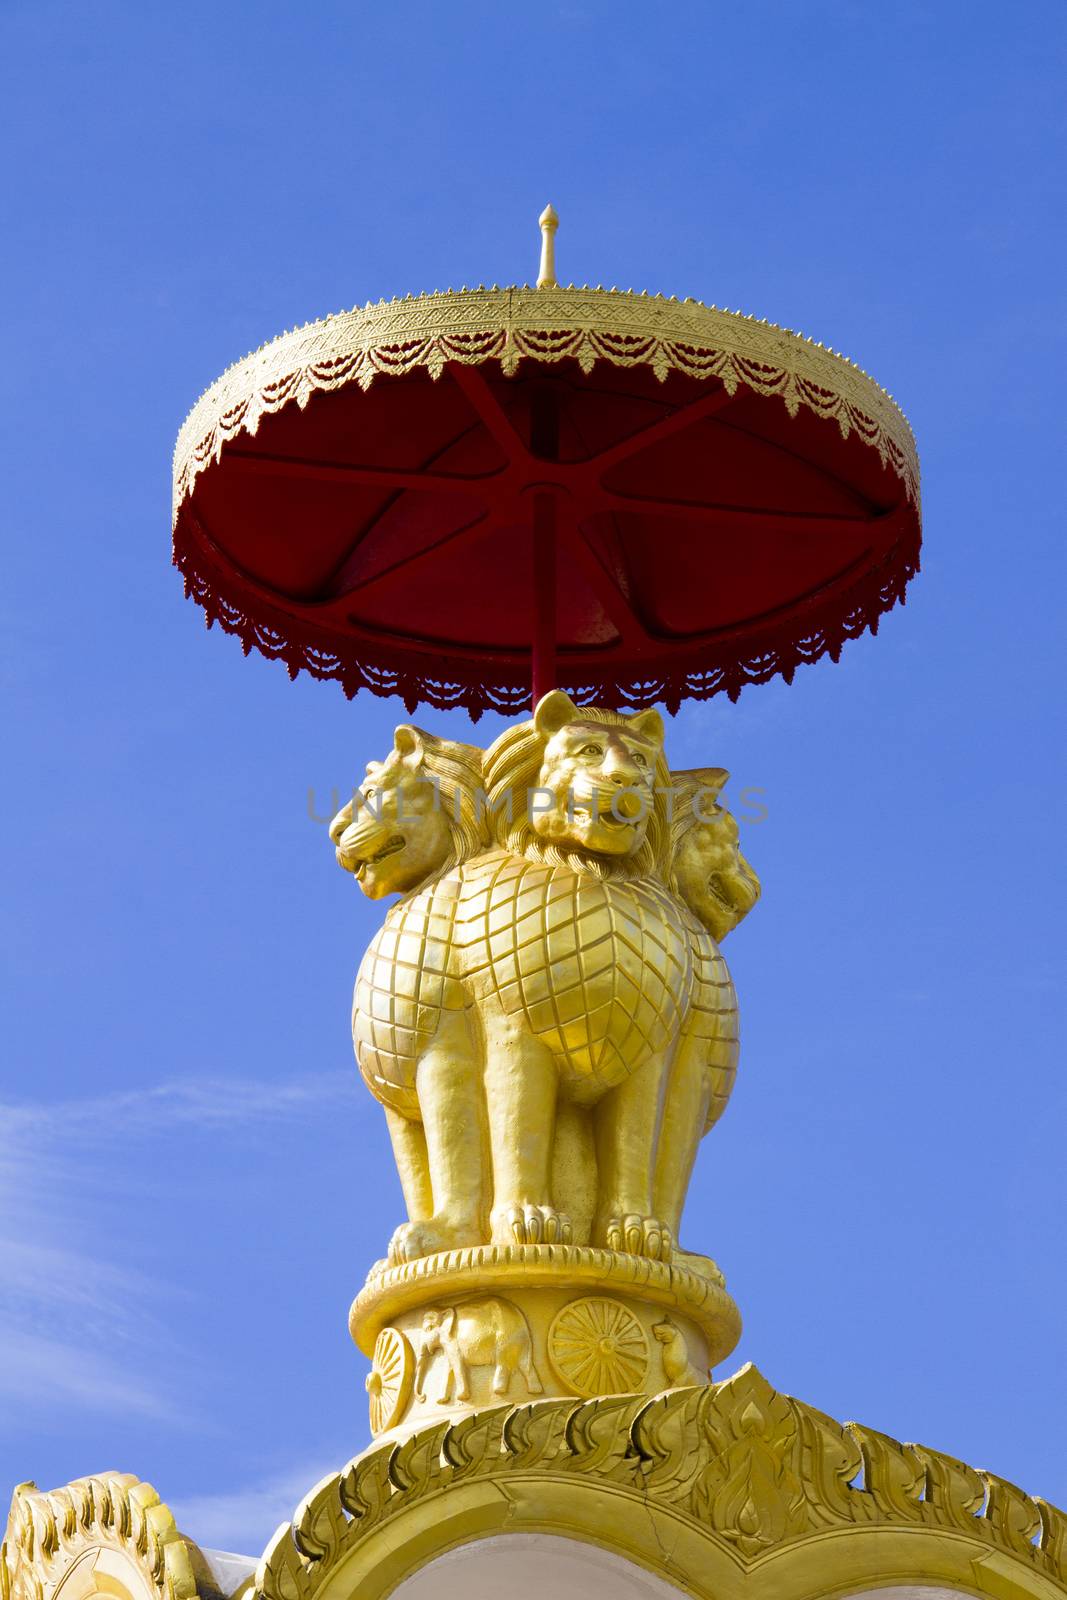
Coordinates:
(546,278)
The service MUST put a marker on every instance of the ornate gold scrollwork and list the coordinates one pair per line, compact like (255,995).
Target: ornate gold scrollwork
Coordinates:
(109,1534)
(745,1469)
(473,326)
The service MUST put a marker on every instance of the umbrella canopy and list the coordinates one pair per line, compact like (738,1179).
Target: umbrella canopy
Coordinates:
(465,498)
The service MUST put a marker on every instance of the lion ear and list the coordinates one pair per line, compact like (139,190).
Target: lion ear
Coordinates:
(711,779)
(554,711)
(649,724)
(407,742)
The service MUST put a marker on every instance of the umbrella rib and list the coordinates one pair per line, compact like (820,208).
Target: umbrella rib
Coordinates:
(386,478)
(824,472)
(685,417)
(485,522)
(602,581)
(611,499)
(473,385)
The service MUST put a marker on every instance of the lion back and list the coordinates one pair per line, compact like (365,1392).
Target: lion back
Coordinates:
(599,970)
(406,981)
(713,1018)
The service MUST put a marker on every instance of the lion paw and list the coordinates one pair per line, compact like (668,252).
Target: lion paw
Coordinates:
(527,1224)
(414,1239)
(703,1266)
(635,1235)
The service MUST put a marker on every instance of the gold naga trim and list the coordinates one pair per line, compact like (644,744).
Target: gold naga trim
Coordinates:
(50,1534)
(390,1290)
(730,1491)
(549,324)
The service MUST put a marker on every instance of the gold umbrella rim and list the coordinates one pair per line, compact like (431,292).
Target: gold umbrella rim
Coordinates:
(546,325)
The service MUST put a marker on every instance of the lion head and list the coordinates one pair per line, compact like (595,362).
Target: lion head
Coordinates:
(581,786)
(414,815)
(708,870)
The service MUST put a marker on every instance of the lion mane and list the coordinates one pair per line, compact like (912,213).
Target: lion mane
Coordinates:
(455,770)
(692,789)
(510,769)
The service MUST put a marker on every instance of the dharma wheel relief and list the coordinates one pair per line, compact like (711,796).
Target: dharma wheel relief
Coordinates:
(548,1022)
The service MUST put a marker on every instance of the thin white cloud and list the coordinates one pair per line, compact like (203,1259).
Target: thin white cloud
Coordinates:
(42,1374)
(68,1312)
(205,1102)
(244,1519)
(34,1273)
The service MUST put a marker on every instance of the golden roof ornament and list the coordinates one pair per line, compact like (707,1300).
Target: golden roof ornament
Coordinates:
(549,222)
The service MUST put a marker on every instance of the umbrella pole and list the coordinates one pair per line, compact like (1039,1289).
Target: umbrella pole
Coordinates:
(544,585)
(544,442)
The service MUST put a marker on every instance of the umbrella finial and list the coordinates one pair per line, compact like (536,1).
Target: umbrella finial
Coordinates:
(546,278)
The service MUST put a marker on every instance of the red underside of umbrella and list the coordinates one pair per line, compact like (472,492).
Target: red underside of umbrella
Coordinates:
(653,539)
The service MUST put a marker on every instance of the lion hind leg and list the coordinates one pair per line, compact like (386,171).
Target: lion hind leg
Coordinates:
(449,1089)
(685,1118)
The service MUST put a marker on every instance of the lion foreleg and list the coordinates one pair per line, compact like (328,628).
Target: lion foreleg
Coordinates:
(449,1089)
(627,1122)
(521,1084)
(412,1159)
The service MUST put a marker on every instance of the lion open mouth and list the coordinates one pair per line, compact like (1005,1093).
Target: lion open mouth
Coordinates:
(717,890)
(598,807)
(606,819)
(389,849)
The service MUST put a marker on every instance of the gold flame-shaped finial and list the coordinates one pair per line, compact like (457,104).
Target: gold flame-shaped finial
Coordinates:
(546,278)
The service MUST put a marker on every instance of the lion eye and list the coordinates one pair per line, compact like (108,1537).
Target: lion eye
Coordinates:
(639,758)
(589,750)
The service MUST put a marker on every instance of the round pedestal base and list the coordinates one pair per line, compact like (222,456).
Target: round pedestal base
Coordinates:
(465,1329)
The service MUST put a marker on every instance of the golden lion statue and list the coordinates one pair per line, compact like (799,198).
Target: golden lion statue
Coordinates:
(417,816)
(545,1015)
(707,867)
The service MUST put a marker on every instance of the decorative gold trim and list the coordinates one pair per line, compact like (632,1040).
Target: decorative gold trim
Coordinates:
(389,1291)
(515,324)
(730,1491)
(86,1525)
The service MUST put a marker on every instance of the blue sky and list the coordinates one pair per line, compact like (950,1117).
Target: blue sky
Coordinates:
(192,1181)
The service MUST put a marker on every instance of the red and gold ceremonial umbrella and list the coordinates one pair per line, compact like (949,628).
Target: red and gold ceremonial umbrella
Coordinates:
(466,498)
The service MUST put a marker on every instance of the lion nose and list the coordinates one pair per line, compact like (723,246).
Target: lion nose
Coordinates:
(620,767)
(340,823)
(628,804)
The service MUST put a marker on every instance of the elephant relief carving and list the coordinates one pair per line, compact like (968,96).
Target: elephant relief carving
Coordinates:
(476,1333)
(545,1014)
